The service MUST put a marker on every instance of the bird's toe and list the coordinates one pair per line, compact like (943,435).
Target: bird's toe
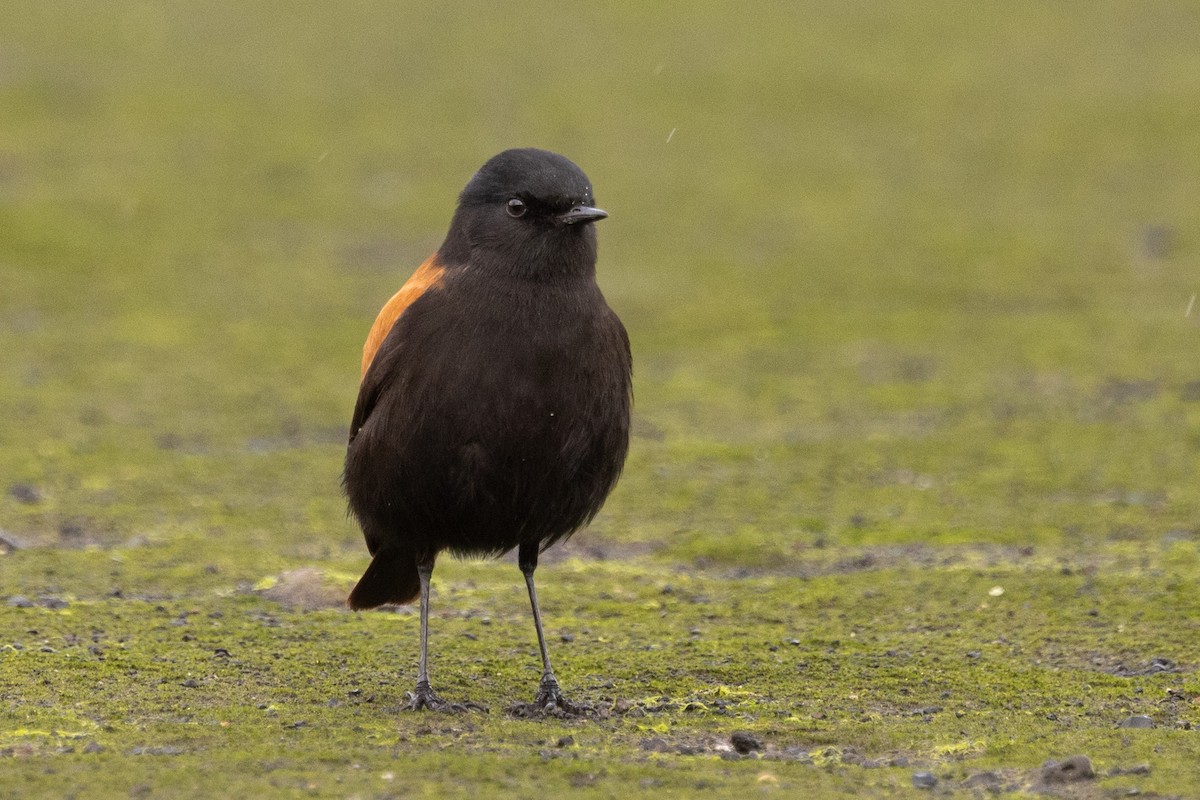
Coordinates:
(550,702)
(424,698)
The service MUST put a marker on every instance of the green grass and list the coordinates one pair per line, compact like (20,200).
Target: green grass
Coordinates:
(908,288)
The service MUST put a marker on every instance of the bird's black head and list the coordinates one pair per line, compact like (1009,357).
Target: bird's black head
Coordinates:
(525,212)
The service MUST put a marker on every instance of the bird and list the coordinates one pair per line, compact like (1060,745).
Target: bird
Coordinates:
(493,409)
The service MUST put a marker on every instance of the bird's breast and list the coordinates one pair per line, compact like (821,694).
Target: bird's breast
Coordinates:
(514,367)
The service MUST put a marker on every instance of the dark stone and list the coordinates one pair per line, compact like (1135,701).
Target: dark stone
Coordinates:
(24,493)
(72,531)
(1075,768)
(1137,769)
(744,742)
(656,744)
(166,750)
(924,780)
(983,780)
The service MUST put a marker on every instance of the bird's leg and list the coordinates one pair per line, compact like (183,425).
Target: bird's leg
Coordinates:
(549,698)
(424,696)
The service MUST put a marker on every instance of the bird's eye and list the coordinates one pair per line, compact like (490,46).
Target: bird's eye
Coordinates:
(516,208)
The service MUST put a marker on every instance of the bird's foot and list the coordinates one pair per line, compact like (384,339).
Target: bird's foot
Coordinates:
(550,703)
(423,697)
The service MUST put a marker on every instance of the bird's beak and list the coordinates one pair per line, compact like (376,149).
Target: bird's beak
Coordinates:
(581,214)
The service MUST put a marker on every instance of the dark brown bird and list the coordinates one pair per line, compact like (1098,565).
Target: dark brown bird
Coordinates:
(494,407)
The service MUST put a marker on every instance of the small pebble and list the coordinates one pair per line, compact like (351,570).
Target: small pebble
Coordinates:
(1136,721)
(1157,241)
(20,601)
(924,780)
(24,493)
(565,741)
(93,747)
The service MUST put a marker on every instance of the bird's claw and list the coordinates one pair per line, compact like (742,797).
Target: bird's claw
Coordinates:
(550,702)
(423,697)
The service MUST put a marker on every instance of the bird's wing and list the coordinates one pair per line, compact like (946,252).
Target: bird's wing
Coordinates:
(427,276)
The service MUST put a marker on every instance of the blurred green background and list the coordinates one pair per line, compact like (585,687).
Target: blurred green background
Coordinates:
(892,272)
(907,283)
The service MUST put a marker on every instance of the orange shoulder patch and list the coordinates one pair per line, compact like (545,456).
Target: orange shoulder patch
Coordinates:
(429,274)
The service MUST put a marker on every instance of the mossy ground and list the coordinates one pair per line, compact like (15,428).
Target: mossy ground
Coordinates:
(911,293)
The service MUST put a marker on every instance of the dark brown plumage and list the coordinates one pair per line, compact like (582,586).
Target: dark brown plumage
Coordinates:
(494,407)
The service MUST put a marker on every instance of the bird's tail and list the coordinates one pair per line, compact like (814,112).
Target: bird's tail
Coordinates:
(390,578)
